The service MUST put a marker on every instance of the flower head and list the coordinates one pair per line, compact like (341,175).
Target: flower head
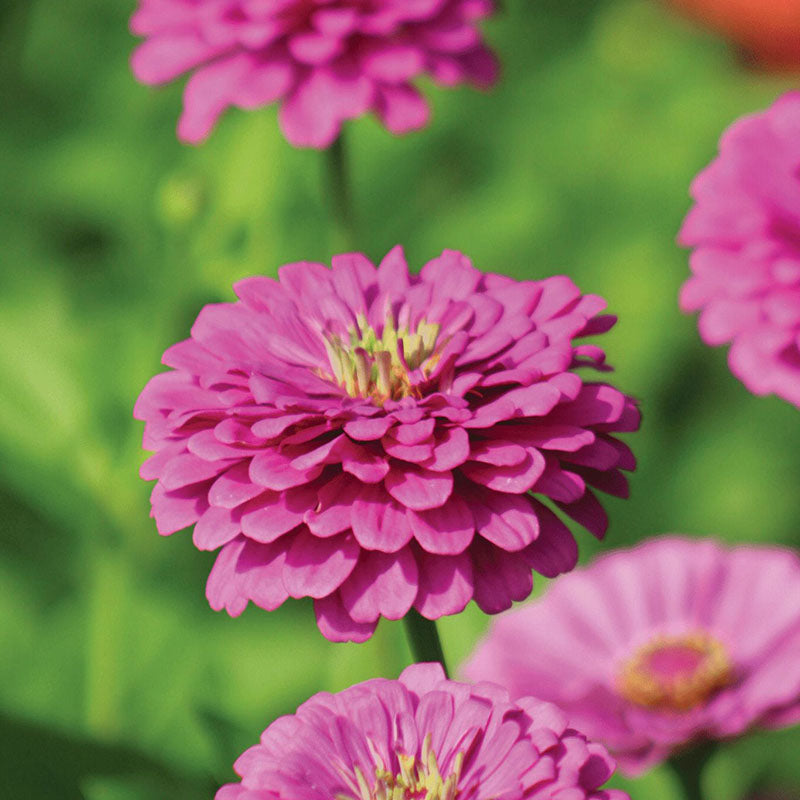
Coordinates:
(325,61)
(745,231)
(422,737)
(649,649)
(374,439)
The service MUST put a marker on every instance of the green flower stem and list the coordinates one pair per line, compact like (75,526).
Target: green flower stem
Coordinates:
(423,638)
(688,767)
(339,197)
(105,642)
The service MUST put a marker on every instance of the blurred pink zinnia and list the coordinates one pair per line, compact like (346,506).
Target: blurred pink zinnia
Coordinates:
(745,231)
(650,649)
(422,736)
(326,61)
(371,438)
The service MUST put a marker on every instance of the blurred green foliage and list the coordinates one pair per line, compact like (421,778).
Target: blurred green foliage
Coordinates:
(117,682)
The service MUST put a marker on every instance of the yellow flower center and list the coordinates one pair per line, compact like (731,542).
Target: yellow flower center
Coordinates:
(380,367)
(418,779)
(676,673)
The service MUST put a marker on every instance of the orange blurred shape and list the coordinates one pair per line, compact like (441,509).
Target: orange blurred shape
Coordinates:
(767,30)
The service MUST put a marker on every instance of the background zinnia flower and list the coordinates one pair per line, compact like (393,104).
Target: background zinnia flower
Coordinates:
(388,739)
(325,62)
(649,649)
(768,31)
(373,439)
(745,232)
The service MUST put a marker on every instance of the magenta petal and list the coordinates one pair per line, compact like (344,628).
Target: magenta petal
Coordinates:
(382,584)
(402,108)
(553,437)
(595,404)
(446,530)
(334,507)
(265,84)
(445,585)
(555,551)
(559,484)
(316,567)
(353,275)
(379,523)
(174,511)
(500,578)
(209,91)
(414,434)
(270,427)
(186,469)
(313,113)
(247,571)
(153,466)
(367,430)
(269,518)
(414,453)
(222,589)
(514,480)
(272,470)
(588,512)
(323,454)
(230,791)
(418,488)
(233,488)
(259,567)
(164,58)
(207,446)
(337,625)
(450,451)
(507,520)
(215,528)
(498,453)
(363,463)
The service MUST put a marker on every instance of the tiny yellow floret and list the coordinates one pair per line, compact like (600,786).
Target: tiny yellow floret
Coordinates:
(417,779)
(379,368)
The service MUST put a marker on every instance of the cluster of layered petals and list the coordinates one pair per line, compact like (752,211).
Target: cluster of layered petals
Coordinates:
(650,649)
(745,232)
(378,440)
(325,61)
(422,736)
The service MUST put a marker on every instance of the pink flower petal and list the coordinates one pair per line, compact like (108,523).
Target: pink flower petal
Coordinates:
(445,585)
(379,523)
(316,567)
(381,585)
(515,480)
(446,530)
(507,520)
(418,488)
(216,527)
(337,625)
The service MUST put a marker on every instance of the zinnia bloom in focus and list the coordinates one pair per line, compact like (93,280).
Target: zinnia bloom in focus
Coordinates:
(768,31)
(650,649)
(422,736)
(745,231)
(325,61)
(373,439)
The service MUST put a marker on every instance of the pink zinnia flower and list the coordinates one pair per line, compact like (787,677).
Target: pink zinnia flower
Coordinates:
(745,231)
(650,649)
(371,438)
(325,61)
(422,736)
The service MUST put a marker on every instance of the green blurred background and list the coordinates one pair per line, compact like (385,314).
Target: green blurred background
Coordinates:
(117,681)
